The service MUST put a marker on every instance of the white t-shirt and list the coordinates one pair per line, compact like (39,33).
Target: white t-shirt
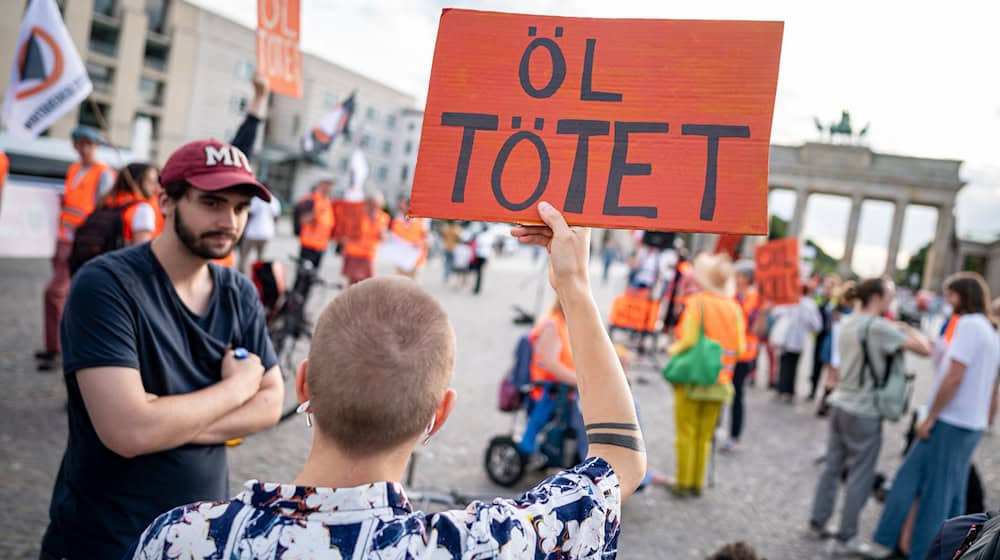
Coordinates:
(260,226)
(977,345)
(144,219)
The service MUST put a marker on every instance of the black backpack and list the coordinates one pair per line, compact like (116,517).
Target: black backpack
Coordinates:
(971,537)
(102,232)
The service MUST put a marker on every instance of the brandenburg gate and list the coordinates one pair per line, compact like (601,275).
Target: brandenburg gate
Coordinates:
(858,174)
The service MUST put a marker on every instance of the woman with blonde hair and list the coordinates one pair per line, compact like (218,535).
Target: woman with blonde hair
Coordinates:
(697,407)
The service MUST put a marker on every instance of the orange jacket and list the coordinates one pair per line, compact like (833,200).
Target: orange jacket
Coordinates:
(370,235)
(539,373)
(78,197)
(750,306)
(723,324)
(316,233)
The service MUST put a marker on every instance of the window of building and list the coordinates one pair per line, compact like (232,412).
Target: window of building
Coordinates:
(408,147)
(411,126)
(383,173)
(371,113)
(155,122)
(103,38)
(296,122)
(329,101)
(156,12)
(105,7)
(155,56)
(404,173)
(344,164)
(387,147)
(244,70)
(88,117)
(151,92)
(238,104)
(366,141)
(102,76)
(390,121)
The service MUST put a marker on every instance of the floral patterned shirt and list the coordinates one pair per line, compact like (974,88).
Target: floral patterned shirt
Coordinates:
(575,514)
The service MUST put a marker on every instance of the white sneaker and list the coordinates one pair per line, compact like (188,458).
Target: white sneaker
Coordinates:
(853,547)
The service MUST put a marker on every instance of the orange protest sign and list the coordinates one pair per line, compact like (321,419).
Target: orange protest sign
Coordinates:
(776,271)
(278,54)
(644,124)
(729,244)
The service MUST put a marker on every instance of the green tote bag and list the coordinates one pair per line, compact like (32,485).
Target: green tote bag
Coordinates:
(699,364)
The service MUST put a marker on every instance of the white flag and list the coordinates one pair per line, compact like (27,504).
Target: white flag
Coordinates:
(47,77)
(359,173)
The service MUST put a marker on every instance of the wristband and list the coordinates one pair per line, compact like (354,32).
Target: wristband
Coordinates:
(241,353)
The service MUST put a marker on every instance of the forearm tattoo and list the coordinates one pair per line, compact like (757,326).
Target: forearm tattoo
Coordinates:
(634,443)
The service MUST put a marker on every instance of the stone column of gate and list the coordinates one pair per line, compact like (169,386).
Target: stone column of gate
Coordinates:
(799,214)
(895,236)
(853,220)
(937,264)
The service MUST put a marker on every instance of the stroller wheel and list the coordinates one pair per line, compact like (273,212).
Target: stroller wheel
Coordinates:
(504,463)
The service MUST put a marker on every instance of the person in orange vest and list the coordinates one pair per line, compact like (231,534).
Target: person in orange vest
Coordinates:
(87,182)
(551,362)
(696,408)
(414,232)
(137,183)
(4,169)
(317,223)
(359,254)
(749,301)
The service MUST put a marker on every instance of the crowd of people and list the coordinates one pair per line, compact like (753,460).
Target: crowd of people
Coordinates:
(166,354)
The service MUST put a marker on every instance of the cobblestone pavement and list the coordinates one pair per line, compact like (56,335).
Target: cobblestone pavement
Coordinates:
(762,492)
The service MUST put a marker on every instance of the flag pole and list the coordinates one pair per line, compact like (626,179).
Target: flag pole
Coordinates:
(105,129)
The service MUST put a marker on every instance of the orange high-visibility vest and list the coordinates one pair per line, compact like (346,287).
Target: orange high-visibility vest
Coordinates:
(371,236)
(538,373)
(412,231)
(4,168)
(949,330)
(750,305)
(227,261)
(722,324)
(78,197)
(122,199)
(316,233)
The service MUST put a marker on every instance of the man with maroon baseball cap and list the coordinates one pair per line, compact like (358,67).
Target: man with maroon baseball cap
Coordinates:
(166,356)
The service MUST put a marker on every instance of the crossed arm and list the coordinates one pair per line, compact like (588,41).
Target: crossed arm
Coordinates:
(131,422)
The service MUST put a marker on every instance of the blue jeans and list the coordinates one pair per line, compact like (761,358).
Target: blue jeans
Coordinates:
(935,471)
(542,412)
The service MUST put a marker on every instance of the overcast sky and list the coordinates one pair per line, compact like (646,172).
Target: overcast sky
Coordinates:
(924,75)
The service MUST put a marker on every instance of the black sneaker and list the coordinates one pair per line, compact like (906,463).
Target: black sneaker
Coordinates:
(48,355)
(46,365)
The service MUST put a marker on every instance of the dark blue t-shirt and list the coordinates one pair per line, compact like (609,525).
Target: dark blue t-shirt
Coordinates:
(123,311)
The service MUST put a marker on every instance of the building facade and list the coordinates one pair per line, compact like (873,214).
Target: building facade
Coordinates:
(166,72)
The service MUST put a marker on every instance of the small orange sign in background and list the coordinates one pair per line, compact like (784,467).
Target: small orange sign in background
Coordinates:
(278,54)
(776,271)
(624,123)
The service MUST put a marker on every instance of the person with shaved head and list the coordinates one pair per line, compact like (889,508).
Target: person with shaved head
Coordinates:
(376,383)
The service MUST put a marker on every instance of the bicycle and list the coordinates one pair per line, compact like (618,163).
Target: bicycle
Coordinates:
(290,324)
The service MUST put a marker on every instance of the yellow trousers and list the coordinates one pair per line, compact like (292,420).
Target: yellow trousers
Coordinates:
(695,421)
